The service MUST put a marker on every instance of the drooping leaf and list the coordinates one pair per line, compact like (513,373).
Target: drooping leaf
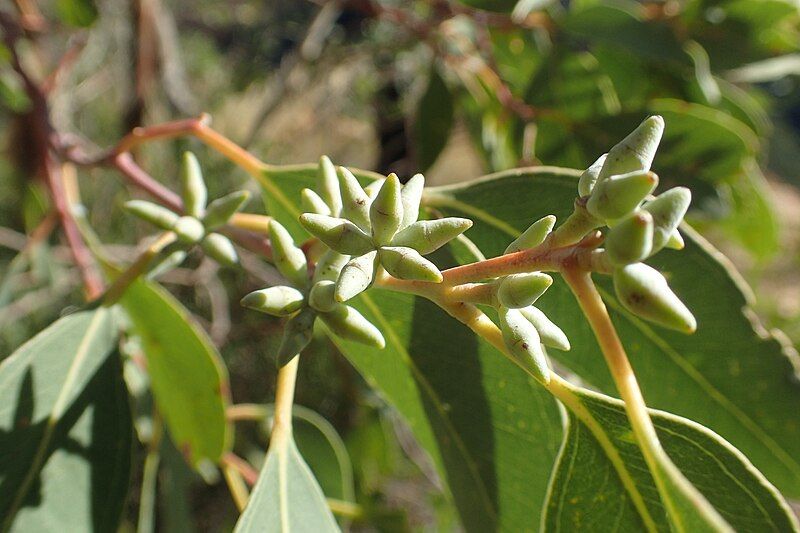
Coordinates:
(433,121)
(65,429)
(187,376)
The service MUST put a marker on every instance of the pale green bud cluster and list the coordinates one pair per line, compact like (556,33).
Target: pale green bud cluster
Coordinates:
(198,223)
(618,187)
(375,228)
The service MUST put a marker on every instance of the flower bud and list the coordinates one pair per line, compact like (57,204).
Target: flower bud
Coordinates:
(521,290)
(675,241)
(288,258)
(329,266)
(321,296)
(589,176)
(276,301)
(407,263)
(386,211)
(188,229)
(339,234)
(425,236)
(549,334)
(356,276)
(636,151)
(194,188)
(355,201)
(523,343)
(617,196)
(668,209)
(166,264)
(534,235)
(644,292)
(412,196)
(311,202)
(328,185)
(372,188)
(152,213)
(220,211)
(346,322)
(631,240)
(220,248)
(297,335)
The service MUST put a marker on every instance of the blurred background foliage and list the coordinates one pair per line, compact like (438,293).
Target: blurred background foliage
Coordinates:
(454,89)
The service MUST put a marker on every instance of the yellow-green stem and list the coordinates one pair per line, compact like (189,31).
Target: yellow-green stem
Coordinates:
(139,266)
(284,398)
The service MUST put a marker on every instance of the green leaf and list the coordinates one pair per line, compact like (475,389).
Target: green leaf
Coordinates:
(587,491)
(730,376)
(80,13)
(187,376)
(433,121)
(65,429)
(502,6)
(286,496)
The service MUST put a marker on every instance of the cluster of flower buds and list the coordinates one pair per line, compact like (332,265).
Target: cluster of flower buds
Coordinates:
(618,186)
(378,230)
(197,224)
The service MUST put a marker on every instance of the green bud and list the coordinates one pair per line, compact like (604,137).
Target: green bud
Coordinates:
(407,263)
(220,211)
(636,151)
(386,211)
(357,275)
(347,323)
(329,266)
(328,185)
(668,209)
(425,236)
(311,202)
(675,241)
(617,196)
(412,196)
(355,201)
(321,296)
(645,293)
(276,301)
(521,290)
(194,188)
(170,261)
(534,235)
(523,343)
(549,334)
(339,234)
(589,177)
(288,258)
(631,240)
(296,335)
(220,248)
(153,213)
(188,229)
(373,188)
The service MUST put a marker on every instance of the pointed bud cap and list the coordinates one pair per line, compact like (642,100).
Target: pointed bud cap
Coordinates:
(550,335)
(631,240)
(534,235)
(220,211)
(220,249)
(288,258)
(668,210)
(328,185)
(425,236)
(153,213)
(357,275)
(311,202)
(337,233)
(523,344)
(276,301)
(675,241)
(297,335)
(373,188)
(355,200)
(386,211)
(412,197)
(321,296)
(644,292)
(617,196)
(407,263)
(170,261)
(521,290)
(588,178)
(346,322)
(636,151)
(188,229)
(195,194)
(329,266)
